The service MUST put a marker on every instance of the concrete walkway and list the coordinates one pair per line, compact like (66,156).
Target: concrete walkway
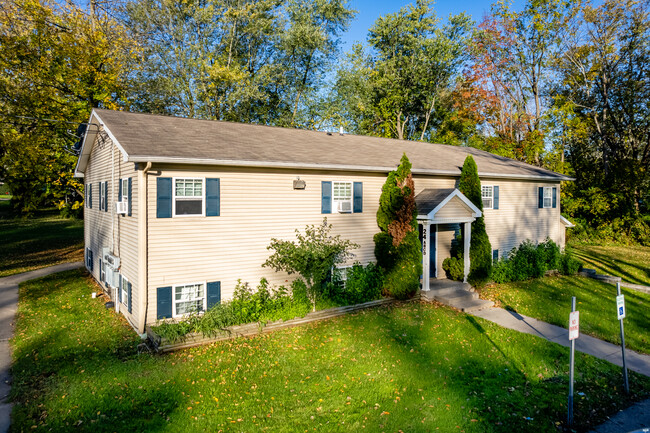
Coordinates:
(8,308)
(634,418)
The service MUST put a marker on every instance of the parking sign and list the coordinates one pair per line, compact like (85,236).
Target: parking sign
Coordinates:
(620,307)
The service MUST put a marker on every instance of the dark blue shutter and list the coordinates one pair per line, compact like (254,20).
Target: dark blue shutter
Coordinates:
(214,293)
(541,197)
(101,280)
(164,309)
(164,197)
(92,262)
(495,200)
(119,194)
(129,195)
(326,197)
(106,196)
(554,197)
(212,197)
(495,255)
(90,195)
(129,297)
(358,197)
(119,286)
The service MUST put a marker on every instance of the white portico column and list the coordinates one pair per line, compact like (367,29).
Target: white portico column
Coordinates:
(426,239)
(466,241)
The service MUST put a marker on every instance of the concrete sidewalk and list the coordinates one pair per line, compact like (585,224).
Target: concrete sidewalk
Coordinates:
(634,418)
(8,308)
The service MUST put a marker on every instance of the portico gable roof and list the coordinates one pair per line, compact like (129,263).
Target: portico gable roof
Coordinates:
(445,206)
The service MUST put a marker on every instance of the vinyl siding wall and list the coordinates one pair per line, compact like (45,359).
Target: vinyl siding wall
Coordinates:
(106,229)
(260,204)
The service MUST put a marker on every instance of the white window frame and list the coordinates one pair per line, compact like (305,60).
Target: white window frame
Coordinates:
(491,197)
(202,179)
(205,297)
(343,273)
(123,285)
(88,259)
(102,272)
(125,190)
(334,205)
(549,198)
(102,196)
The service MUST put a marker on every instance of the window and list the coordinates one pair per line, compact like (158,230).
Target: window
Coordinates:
(125,190)
(487,193)
(188,196)
(548,196)
(342,197)
(102,274)
(102,195)
(495,255)
(89,259)
(124,285)
(340,276)
(189,298)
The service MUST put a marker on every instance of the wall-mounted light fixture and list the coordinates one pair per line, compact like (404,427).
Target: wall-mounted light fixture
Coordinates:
(299,184)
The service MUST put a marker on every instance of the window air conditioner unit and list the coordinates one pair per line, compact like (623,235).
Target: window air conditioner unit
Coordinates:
(344,207)
(122,207)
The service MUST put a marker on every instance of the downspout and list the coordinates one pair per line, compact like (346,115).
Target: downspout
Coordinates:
(143,255)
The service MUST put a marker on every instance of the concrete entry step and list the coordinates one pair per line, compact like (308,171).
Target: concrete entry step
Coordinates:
(456,295)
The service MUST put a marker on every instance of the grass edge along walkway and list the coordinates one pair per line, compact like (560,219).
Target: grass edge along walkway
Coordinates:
(556,334)
(9,304)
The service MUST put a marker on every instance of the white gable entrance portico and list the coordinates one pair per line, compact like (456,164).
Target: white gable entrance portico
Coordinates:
(438,207)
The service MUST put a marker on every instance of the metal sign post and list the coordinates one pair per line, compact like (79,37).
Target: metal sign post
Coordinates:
(574,326)
(620,312)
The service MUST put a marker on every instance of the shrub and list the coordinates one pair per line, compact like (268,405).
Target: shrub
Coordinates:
(529,261)
(246,306)
(480,250)
(454,268)
(397,247)
(567,264)
(312,256)
(362,284)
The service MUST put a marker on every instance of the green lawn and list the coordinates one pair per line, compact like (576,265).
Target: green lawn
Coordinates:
(44,240)
(632,263)
(415,367)
(549,299)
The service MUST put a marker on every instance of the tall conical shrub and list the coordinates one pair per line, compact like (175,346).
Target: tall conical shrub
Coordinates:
(480,250)
(397,247)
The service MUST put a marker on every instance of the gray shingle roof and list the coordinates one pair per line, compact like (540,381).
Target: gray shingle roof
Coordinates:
(429,198)
(146,137)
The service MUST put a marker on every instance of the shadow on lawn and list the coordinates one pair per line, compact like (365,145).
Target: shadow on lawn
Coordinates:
(74,375)
(492,374)
(605,263)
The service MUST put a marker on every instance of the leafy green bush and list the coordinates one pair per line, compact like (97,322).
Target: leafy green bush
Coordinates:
(312,256)
(568,265)
(246,306)
(532,261)
(454,268)
(362,284)
(397,247)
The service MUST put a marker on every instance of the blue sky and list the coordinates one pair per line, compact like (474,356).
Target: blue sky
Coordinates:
(369,10)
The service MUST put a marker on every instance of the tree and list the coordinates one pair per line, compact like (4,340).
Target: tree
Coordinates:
(480,250)
(312,256)
(513,57)
(237,60)
(57,62)
(397,246)
(602,104)
(396,91)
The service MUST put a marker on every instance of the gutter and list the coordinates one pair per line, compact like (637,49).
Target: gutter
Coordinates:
(143,233)
(341,167)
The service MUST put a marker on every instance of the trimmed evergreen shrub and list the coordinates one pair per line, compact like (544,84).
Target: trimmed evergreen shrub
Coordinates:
(480,250)
(568,265)
(397,247)
(454,268)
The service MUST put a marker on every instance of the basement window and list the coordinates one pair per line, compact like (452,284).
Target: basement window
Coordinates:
(189,298)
